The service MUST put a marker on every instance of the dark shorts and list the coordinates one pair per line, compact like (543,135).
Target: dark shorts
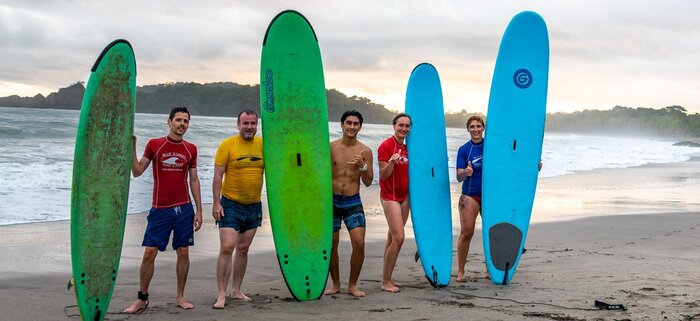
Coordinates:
(161,221)
(348,209)
(240,217)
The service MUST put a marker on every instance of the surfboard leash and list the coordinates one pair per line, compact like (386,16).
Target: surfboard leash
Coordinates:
(65,311)
(691,317)
(465,295)
(505,275)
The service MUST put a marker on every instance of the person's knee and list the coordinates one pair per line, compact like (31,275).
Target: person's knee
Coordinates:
(227,249)
(150,253)
(183,252)
(358,244)
(242,249)
(466,235)
(397,239)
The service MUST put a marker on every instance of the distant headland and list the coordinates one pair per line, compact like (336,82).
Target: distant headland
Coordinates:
(211,99)
(229,98)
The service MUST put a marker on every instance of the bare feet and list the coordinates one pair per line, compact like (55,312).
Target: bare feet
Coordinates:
(460,277)
(137,307)
(334,289)
(184,304)
(220,302)
(390,287)
(396,284)
(238,295)
(354,291)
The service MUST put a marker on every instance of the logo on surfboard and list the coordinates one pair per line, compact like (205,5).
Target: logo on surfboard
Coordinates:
(269,104)
(522,78)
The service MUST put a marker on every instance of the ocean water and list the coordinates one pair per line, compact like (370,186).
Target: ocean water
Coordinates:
(36,154)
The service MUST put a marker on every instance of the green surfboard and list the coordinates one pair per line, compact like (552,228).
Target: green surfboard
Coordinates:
(101,173)
(297,153)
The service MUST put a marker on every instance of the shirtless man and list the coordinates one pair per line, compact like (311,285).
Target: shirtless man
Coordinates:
(352,162)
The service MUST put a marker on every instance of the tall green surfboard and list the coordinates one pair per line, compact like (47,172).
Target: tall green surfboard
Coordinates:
(101,173)
(297,153)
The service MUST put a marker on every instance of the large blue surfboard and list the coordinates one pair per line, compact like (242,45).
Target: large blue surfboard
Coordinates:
(513,142)
(429,183)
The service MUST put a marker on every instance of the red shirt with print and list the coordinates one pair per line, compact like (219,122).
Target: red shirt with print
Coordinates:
(394,187)
(172,161)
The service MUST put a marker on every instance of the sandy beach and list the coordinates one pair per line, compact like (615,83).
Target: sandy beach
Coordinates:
(622,236)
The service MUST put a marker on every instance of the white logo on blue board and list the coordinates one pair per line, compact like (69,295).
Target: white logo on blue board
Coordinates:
(522,78)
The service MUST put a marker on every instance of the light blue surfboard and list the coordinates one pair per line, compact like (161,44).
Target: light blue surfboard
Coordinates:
(429,183)
(513,142)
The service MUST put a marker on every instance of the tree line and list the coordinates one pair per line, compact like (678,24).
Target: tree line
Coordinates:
(673,121)
(211,99)
(228,99)
(214,99)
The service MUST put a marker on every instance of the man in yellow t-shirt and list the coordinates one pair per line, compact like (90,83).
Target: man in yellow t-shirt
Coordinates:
(238,178)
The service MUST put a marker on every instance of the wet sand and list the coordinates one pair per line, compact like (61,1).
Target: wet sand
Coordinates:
(627,236)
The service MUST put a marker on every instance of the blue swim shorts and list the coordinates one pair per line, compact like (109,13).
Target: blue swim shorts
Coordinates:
(161,221)
(348,209)
(240,217)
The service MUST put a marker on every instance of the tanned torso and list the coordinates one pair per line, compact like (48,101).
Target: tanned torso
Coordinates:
(346,177)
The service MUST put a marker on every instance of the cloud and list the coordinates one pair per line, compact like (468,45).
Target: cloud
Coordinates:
(603,53)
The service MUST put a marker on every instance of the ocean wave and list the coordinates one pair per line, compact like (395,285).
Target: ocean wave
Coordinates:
(37,153)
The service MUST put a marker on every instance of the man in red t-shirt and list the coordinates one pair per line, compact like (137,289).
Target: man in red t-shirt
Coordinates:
(174,160)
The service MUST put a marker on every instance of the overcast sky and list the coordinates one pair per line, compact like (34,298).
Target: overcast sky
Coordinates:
(635,53)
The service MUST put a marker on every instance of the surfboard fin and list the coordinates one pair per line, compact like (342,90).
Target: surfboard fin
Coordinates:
(416,257)
(435,278)
(71,283)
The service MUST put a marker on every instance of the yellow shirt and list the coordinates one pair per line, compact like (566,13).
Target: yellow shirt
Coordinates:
(243,164)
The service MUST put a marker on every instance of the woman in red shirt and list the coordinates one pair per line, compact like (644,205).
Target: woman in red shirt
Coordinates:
(393,183)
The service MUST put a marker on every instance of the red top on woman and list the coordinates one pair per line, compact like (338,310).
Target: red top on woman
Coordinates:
(394,187)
